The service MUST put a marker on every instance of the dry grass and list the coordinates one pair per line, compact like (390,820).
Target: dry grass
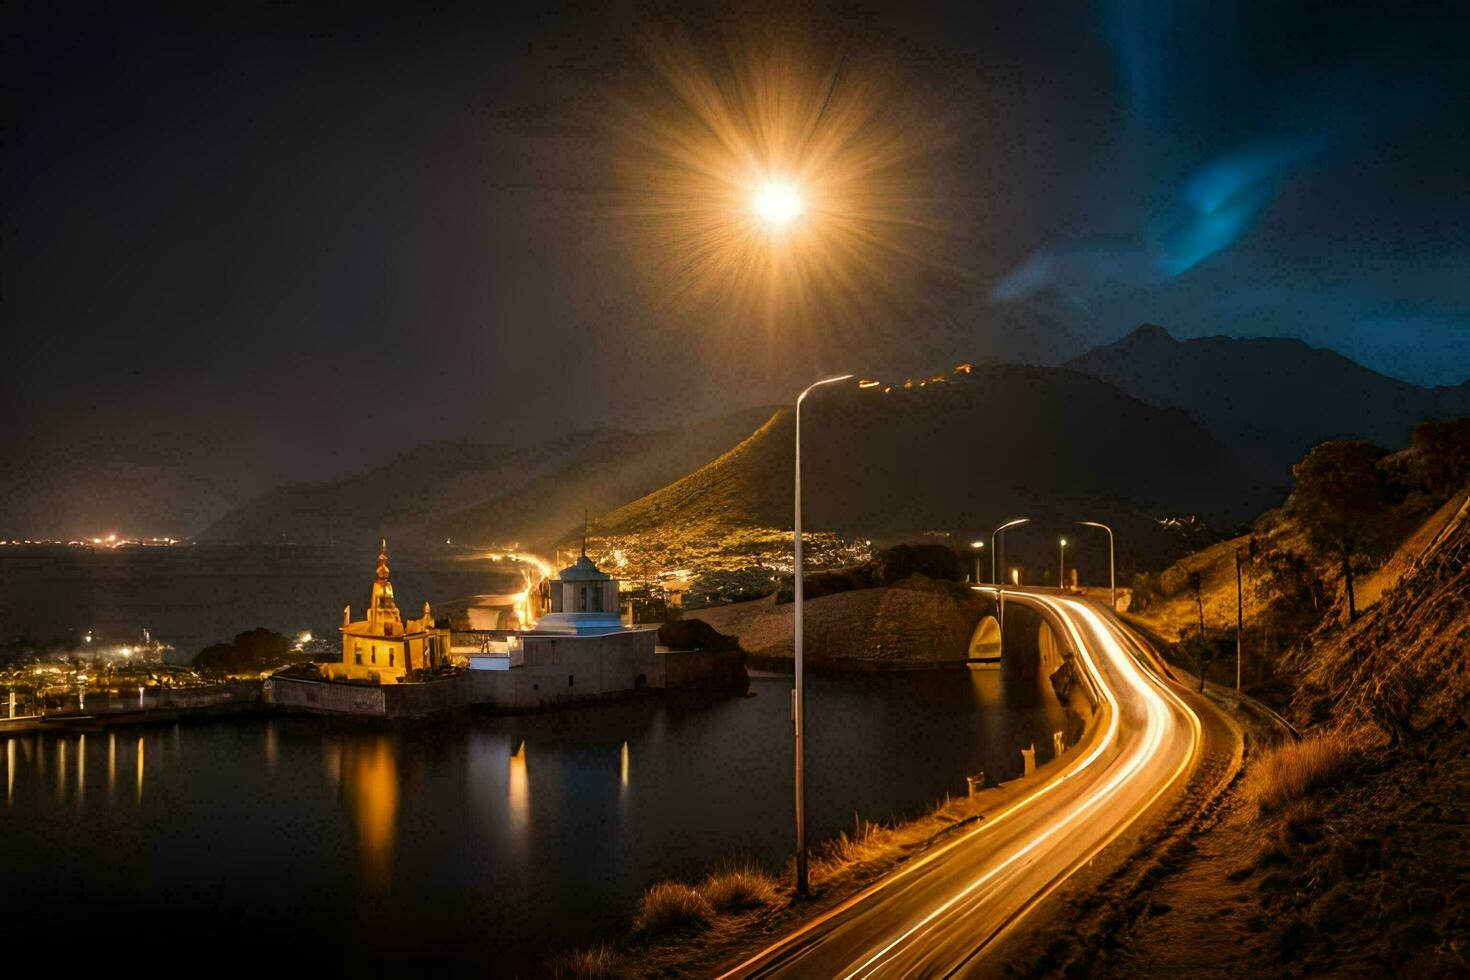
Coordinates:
(671,905)
(739,888)
(1291,771)
(587,964)
(867,842)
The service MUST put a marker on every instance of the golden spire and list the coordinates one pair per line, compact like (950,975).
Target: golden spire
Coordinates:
(383,561)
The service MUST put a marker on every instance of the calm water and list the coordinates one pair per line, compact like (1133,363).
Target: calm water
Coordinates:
(192,597)
(493,839)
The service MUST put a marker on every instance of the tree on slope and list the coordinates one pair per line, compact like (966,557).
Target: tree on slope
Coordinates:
(1344,501)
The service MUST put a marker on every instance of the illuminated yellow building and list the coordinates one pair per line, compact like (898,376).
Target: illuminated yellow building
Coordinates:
(384,647)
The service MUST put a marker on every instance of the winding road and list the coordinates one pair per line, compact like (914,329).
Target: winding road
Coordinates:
(936,914)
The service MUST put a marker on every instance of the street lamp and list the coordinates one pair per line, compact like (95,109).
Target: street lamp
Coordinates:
(797,719)
(1000,595)
(978,546)
(1062,567)
(1001,530)
(1112,568)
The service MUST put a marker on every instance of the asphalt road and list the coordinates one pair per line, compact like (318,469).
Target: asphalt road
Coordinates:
(936,915)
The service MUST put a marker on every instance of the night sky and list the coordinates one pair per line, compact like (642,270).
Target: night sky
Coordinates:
(271,242)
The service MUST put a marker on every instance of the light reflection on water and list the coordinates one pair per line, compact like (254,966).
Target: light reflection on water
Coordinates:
(527,826)
(370,783)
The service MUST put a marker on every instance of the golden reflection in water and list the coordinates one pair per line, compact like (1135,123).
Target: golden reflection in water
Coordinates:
(370,780)
(9,769)
(111,763)
(332,761)
(81,768)
(520,792)
(60,769)
(140,768)
(625,765)
(270,745)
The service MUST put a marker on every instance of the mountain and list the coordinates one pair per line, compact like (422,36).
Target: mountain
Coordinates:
(960,450)
(482,493)
(82,488)
(1270,398)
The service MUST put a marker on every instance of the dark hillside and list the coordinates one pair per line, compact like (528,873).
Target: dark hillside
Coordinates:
(1270,398)
(959,451)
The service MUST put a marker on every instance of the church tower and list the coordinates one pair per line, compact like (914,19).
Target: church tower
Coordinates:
(384,647)
(383,616)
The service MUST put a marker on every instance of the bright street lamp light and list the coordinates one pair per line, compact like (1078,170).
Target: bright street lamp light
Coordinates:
(1062,568)
(777,203)
(1112,568)
(797,713)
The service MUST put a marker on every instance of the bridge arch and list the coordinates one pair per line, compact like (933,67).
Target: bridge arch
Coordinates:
(984,647)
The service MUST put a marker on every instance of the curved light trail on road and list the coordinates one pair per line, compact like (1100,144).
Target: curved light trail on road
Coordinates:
(935,914)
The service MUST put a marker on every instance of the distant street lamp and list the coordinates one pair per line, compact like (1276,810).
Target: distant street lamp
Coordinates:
(1062,567)
(1112,569)
(796,693)
(978,547)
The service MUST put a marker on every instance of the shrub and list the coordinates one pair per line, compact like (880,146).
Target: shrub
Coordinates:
(934,561)
(1293,770)
(586,964)
(696,634)
(740,887)
(670,905)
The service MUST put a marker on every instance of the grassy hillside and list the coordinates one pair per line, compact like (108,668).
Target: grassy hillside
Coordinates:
(607,475)
(483,493)
(962,450)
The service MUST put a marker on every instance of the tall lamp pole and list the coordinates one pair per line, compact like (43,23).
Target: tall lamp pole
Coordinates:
(1000,596)
(797,715)
(1062,563)
(1112,568)
(995,580)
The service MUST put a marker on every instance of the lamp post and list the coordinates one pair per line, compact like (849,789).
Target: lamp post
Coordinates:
(978,547)
(1000,595)
(1112,568)
(1062,566)
(797,716)
(998,531)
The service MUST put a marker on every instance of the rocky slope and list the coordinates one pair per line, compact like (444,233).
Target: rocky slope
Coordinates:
(1366,870)
(914,622)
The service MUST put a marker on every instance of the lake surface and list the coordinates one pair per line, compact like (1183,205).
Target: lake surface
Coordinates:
(496,840)
(298,842)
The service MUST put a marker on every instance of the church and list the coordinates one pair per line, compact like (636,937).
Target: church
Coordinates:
(384,648)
